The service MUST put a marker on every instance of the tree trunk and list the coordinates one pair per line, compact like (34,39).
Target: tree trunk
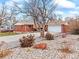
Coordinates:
(35,25)
(42,33)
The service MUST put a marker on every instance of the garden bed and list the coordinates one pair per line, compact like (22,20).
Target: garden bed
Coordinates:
(60,48)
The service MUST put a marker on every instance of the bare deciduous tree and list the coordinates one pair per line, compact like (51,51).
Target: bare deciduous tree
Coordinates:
(6,14)
(41,11)
(2,13)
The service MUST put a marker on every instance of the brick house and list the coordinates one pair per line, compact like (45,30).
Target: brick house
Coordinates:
(26,27)
(23,27)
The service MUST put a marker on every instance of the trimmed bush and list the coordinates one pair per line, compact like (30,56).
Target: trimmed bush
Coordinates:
(65,50)
(27,41)
(49,36)
(4,53)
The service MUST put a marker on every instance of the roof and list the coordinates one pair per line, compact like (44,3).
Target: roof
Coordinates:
(24,23)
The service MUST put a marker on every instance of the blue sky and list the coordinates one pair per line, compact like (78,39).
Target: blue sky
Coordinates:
(65,7)
(68,7)
(1,1)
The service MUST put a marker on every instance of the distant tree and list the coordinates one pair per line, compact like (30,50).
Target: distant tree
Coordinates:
(7,16)
(12,17)
(2,13)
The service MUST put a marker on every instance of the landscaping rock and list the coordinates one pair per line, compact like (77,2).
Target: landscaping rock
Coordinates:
(41,46)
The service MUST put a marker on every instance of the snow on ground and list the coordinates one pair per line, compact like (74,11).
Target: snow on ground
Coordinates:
(71,41)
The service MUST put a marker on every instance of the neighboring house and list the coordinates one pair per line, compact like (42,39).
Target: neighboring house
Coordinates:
(19,26)
(26,27)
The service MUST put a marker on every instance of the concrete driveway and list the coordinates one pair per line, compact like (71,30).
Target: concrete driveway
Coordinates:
(13,41)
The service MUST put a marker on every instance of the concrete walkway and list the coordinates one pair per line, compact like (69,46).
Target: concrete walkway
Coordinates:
(13,41)
(16,37)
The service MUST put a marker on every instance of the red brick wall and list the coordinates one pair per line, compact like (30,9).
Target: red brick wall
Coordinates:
(64,28)
(23,28)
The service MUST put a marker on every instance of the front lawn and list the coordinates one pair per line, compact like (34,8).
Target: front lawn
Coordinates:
(7,33)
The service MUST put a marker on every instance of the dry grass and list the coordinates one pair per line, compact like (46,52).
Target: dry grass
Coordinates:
(65,50)
(4,53)
(7,33)
(66,47)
